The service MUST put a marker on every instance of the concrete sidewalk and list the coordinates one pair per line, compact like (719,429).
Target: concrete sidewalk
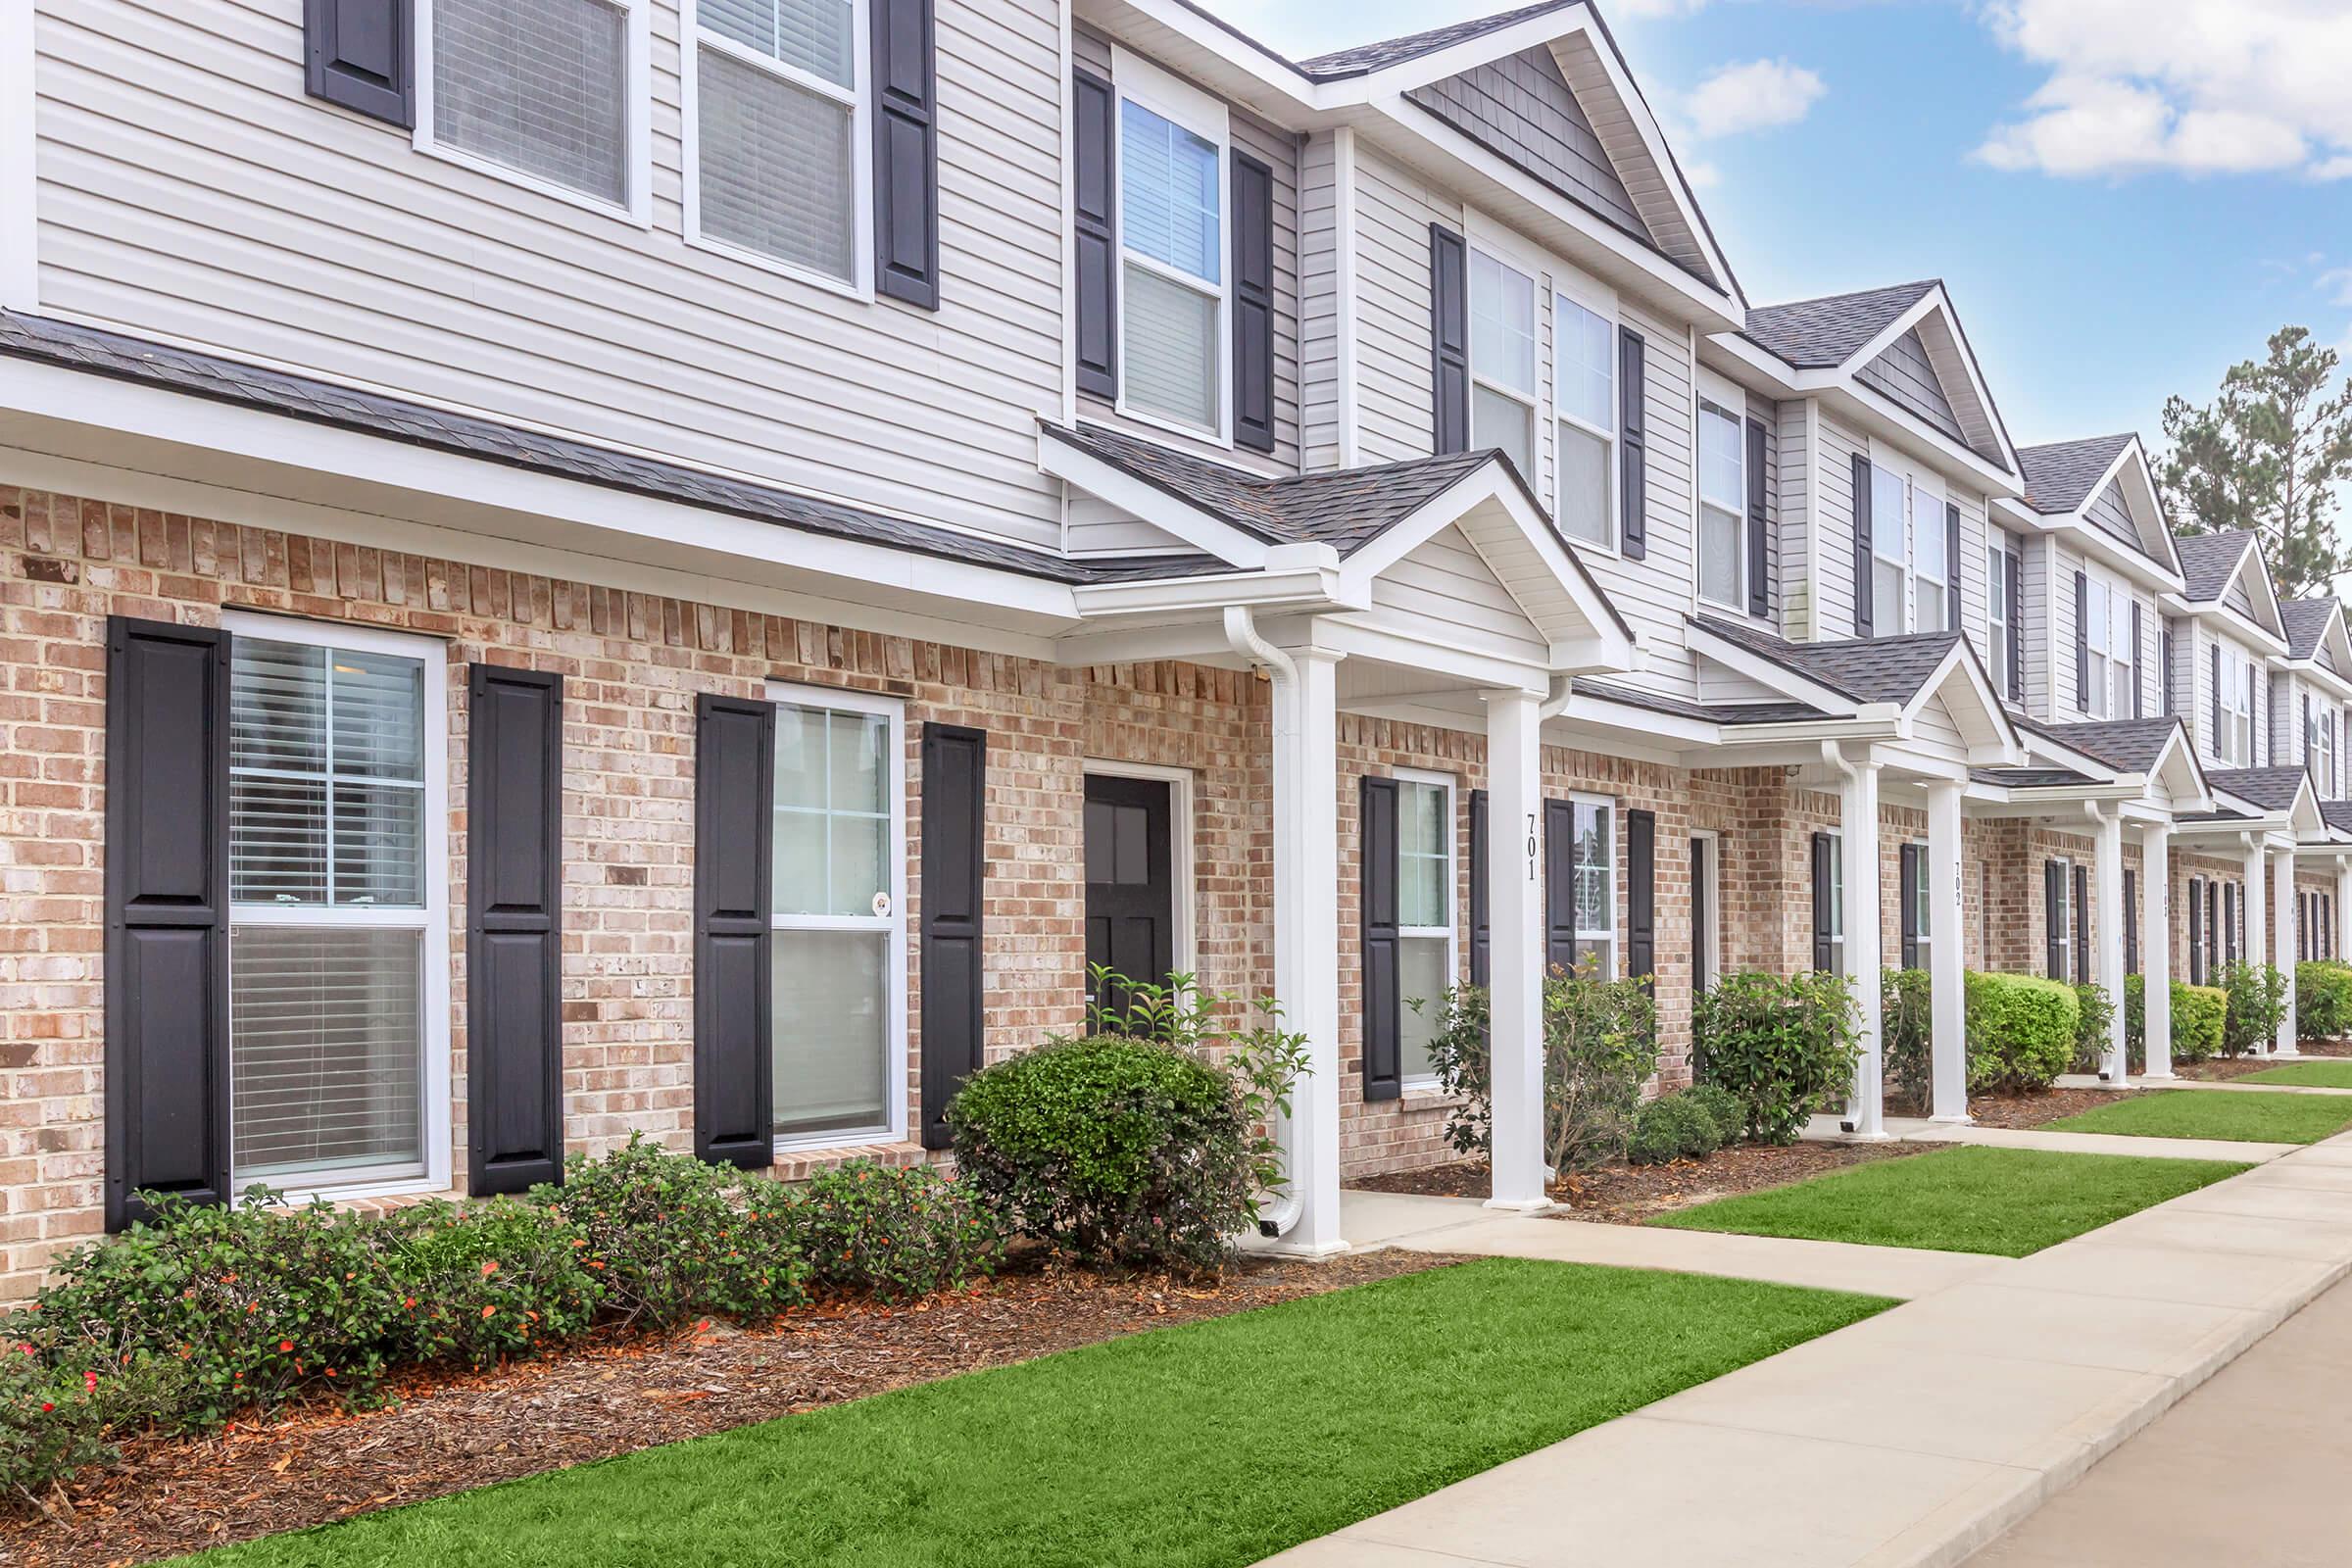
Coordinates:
(1824,1129)
(1914,1438)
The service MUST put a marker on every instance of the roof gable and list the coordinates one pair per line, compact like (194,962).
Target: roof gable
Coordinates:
(1905,373)
(2226,570)
(1522,108)
(2103,482)
(2317,631)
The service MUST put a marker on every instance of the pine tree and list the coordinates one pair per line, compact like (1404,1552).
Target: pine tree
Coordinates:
(2271,453)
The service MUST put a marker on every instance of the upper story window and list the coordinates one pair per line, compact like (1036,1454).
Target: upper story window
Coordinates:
(776,140)
(1584,404)
(1503,360)
(1998,611)
(550,91)
(2100,642)
(2234,744)
(1721,509)
(1909,551)
(1172,346)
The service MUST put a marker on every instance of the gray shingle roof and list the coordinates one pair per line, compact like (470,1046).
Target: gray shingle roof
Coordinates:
(2127,744)
(2030,778)
(1343,507)
(1709,713)
(1875,670)
(1824,334)
(228,381)
(2059,475)
(2339,814)
(2306,621)
(1370,57)
(2207,561)
(2274,789)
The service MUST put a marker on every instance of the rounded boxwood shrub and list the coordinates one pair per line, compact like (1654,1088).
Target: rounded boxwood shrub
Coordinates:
(1783,1045)
(2199,1016)
(1724,1109)
(2323,1000)
(1673,1127)
(1112,1149)
(2020,1031)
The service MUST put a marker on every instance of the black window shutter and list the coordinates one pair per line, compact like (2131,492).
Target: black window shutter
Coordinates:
(1909,895)
(1641,895)
(1252,304)
(1559,885)
(361,54)
(2140,680)
(2216,661)
(514,936)
(1865,612)
(2197,931)
(1383,997)
(1450,340)
(2307,734)
(2053,905)
(1094,192)
(954,784)
(734,811)
(2082,924)
(2014,565)
(1951,567)
(1482,931)
(2131,921)
(2228,921)
(2164,681)
(1822,934)
(906,154)
(166,914)
(1759,590)
(2082,643)
(1632,445)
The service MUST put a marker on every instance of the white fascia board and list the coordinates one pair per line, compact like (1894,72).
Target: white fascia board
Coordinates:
(1344,634)
(36,396)
(1756,666)
(1961,660)
(2320,675)
(1761,369)
(2086,539)
(1936,302)
(1306,588)
(2178,766)
(1603,712)
(1116,486)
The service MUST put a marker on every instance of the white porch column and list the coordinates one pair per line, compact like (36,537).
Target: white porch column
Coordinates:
(1864,1107)
(1307,932)
(2340,947)
(2250,905)
(2282,939)
(1515,993)
(2156,945)
(2107,866)
(1948,1037)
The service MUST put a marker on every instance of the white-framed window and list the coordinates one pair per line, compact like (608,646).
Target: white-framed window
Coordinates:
(840,923)
(1722,507)
(1585,409)
(1592,861)
(1997,610)
(1426,956)
(552,94)
(1923,907)
(1836,901)
(777,148)
(2234,744)
(2062,917)
(1890,553)
(2098,619)
(1175,365)
(338,944)
(1931,558)
(2122,653)
(1502,359)
(1909,551)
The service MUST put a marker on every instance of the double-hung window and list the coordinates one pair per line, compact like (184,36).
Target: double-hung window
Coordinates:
(1172,282)
(2098,619)
(1721,509)
(1923,907)
(551,91)
(1592,861)
(777,149)
(1425,961)
(1584,404)
(1837,842)
(1890,551)
(2122,655)
(2234,744)
(1997,610)
(338,961)
(1503,360)
(1931,558)
(840,945)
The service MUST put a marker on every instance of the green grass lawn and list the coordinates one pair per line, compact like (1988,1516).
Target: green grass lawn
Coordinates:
(1216,1442)
(2008,1201)
(2305,1076)
(2215,1113)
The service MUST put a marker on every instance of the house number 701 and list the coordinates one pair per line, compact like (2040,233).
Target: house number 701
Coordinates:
(1531,845)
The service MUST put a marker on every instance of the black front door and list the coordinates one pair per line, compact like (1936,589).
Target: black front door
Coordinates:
(1130,880)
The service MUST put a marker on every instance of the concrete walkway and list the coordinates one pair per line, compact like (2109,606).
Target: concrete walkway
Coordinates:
(2227,1084)
(2249,1470)
(1914,1438)
(1911,1130)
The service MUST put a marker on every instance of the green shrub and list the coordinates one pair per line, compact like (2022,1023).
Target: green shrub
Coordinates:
(2020,1031)
(495,1279)
(2256,1005)
(2323,1000)
(1601,1045)
(896,1234)
(1783,1045)
(1457,1058)
(52,1423)
(2095,1013)
(668,1236)
(1114,1150)
(1905,1032)
(2200,1015)
(2135,1022)
(1673,1127)
(1723,1107)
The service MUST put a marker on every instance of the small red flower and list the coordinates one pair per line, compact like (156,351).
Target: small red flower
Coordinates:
(284,1345)
(489,1310)
(489,1268)
(47,1406)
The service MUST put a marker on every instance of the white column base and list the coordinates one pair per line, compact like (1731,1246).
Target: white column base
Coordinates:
(1518,1205)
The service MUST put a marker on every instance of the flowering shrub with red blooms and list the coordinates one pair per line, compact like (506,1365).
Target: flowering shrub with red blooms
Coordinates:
(897,1234)
(497,1279)
(52,1422)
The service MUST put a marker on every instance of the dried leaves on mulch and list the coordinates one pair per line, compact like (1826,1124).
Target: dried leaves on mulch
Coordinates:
(1628,1195)
(317,1464)
(2039,1109)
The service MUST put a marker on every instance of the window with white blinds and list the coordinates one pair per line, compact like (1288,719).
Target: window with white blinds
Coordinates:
(543,87)
(1172,340)
(335,814)
(776,147)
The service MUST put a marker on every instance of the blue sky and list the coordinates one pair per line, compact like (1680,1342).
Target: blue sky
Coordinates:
(2125,196)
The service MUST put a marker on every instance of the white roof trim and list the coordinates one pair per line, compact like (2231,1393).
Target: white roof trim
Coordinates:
(1936,302)
(1742,660)
(1110,483)
(1961,661)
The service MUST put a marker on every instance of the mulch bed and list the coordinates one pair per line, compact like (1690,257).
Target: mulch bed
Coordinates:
(2039,1109)
(1628,1195)
(315,1464)
(2221,1069)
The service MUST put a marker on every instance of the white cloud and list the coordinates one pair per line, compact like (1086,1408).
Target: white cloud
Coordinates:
(1702,174)
(2190,86)
(2336,284)
(1757,95)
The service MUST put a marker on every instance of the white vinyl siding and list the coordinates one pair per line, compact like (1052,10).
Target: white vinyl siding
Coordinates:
(1426,956)
(1394,399)
(550,91)
(338,1046)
